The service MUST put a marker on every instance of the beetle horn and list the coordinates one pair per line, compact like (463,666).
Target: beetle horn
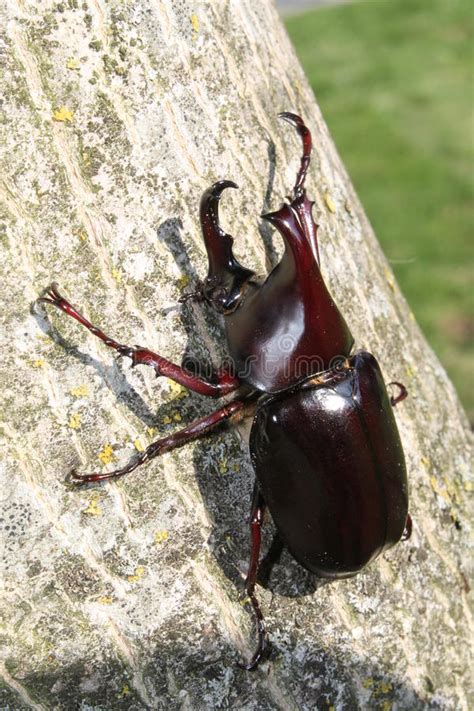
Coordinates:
(305,135)
(300,203)
(227,278)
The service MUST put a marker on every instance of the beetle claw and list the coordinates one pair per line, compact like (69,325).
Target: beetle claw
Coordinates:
(262,646)
(52,295)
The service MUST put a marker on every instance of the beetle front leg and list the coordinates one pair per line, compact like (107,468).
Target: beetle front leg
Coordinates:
(226,382)
(256,521)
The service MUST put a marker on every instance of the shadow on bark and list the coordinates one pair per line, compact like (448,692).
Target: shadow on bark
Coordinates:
(177,677)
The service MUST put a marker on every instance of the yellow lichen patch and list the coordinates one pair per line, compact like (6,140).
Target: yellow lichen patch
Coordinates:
(138,574)
(390,279)
(39,363)
(223,465)
(383,688)
(329,203)
(386,705)
(177,417)
(151,431)
(80,391)
(106,456)
(125,690)
(452,489)
(166,420)
(75,421)
(298,87)
(425,461)
(161,536)
(410,371)
(177,390)
(105,600)
(73,63)
(183,281)
(439,489)
(468,486)
(93,509)
(368,683)
(63,114)
(235,467)
(117,275)
(139,446)
(195,24)
(83,236)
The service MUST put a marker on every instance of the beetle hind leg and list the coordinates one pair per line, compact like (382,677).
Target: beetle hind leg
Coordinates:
(256,521)
(402,393)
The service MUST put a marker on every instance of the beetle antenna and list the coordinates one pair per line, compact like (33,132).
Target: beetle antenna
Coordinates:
(305,135)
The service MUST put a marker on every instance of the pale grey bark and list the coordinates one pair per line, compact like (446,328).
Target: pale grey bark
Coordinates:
(116,116)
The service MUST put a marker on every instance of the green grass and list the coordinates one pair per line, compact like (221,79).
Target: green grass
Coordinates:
(394,79)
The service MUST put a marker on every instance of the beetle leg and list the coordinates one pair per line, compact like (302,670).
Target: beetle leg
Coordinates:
(256,521)
(406,535)
(233,411)
(226,382)
(402,394)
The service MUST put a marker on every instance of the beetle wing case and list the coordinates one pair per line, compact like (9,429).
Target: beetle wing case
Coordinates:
(330,465)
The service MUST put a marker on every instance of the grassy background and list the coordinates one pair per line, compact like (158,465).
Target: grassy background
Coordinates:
(394,79)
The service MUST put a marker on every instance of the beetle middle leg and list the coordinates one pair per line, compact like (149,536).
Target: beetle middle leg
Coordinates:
(226,382)
(233,411)
(256,521)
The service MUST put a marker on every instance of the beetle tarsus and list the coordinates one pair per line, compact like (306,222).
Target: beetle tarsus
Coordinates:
(262,648)
(196,295)
(256,522)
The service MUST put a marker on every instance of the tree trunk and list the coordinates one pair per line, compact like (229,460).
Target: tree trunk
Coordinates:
(117,116)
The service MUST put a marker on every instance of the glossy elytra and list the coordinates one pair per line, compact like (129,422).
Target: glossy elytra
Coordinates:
(324,444)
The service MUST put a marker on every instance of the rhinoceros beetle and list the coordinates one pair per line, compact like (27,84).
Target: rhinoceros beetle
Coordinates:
(324,444)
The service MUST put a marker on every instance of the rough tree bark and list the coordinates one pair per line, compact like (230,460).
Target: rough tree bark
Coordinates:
(116,116)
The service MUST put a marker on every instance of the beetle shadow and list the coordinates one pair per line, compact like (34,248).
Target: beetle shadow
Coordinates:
(172,669)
